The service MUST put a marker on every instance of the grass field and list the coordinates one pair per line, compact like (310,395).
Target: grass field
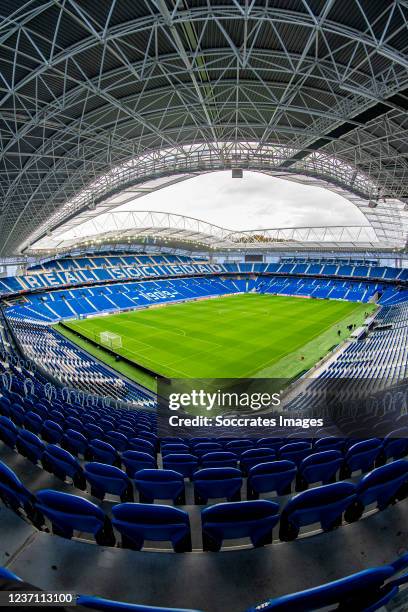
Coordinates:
(248,335)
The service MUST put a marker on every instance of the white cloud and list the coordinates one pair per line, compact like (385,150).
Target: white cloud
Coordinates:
(257,201)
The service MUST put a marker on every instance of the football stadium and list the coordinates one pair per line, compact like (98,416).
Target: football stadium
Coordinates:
(199,412)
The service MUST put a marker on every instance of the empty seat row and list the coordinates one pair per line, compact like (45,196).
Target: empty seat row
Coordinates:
(255,519)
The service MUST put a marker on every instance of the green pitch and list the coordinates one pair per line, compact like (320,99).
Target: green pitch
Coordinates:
(248,335)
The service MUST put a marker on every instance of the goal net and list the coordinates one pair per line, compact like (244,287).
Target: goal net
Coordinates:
(110,339)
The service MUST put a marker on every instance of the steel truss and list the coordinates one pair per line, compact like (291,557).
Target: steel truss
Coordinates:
(86,87)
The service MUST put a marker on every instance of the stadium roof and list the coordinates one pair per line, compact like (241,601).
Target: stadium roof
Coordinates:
(115,94)
(178,231)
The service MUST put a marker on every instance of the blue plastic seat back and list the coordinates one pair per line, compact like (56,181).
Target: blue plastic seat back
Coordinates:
(60,461)
(69,513)
(29,445)
(362,455)
(272,476)
(33,422)
(171,449)
(160,484)
(272,443)
(139,444)
(185,464)
(214,483)
(74,442)
(5,574)
(172,440)
(72,422)
(5,406)
(321,467)
(329,443)
(236,520)
(93,432)
(12,491)
(219,459)
(383,483)
(118,440)
(295,451)
(140,522)
(324,505)
(202,448)
(57,417)
(102,451)
(8,431)
(396,443)
(239,446)
(361,591)
(253,456)
(106,479)
(51,431)
(17,413)
(137,460)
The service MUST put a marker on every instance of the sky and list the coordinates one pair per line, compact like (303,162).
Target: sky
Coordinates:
(257,201)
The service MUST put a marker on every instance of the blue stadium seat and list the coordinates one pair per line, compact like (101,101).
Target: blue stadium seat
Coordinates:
(239,446)
(8,431)
(51,432)
(184,464)
(103,452)
(319,467)
(134,461)
(217,483)
(5,574)
(151,437)
(295,451)
(15,496)
(57,417)
(383,485)
(139,522)
(395,445)
(363,592)
(17,414)
(273,476)
(68,513)
(144,446)
(324,505)
(176,448)
(105,478)
(72,422)
(62,464)
(93,432)
(33,422)
(236,520)
(254,456)
(329,443)
(29,445)
(118,440)
(272,443)
(74,442)
(160,484)
(202,448)
(219,459)
(108,605)
(172,440)
(5,406)
(361,456)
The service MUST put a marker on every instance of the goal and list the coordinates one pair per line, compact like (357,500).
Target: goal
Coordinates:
(110,339)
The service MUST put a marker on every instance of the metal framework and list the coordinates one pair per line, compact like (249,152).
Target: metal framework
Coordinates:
(305,88)
(178,231)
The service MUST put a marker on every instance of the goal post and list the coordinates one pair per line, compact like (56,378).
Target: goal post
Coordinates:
(110,339)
